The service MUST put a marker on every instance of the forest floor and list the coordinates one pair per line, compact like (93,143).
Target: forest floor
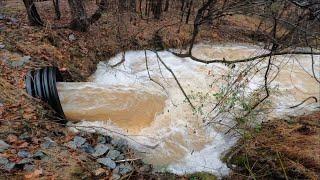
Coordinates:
(32,145)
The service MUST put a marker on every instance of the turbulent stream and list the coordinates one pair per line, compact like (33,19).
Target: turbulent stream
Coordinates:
(124,99)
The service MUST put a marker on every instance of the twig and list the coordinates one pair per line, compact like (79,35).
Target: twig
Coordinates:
(174,76)
(127,160)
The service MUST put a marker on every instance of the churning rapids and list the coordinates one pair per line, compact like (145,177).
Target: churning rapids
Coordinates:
(124,99)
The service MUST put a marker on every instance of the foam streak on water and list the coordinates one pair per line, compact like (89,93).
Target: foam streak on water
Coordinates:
(124,99)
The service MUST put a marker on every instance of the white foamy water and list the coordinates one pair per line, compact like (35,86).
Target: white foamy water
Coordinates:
(124,99)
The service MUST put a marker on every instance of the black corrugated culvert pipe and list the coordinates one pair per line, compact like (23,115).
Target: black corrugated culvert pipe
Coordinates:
(41,83)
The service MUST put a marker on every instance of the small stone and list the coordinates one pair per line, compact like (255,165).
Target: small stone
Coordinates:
(28,167)
(115,176)
(3,146)
(25,59)
(86,147)
(121,157)
(9,166)
(99,172)
(2,46)
(3,161)
(2,17)
(25,136)
(24,154)
(119,142)
(125,168)
(113,154)
(100,150)
(72,37)
(107,162)
(48,143)
(13,20)
(39,155)
(102,140)
(78,141)
(25,161)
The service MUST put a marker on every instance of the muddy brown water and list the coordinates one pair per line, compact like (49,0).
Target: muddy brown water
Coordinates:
(125,100)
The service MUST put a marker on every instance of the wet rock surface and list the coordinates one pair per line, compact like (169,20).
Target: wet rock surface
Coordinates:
(108,156)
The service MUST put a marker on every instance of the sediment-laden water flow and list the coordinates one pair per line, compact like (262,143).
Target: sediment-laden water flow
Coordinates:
(125,100)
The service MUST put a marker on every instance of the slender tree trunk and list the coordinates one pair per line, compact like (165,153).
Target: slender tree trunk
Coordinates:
(33,15)
(103,6)
(157,9)
(79,16)
(189,11)
(57,9)
(166,7)
(133,5)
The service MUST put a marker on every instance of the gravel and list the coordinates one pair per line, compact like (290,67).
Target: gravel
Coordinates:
(3,146)
(109,163)
(100,150)
(39,155)
(125,168)
(79,141)
(113,154)
(24,154)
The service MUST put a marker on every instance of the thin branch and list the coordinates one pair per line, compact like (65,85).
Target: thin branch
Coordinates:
(174,76)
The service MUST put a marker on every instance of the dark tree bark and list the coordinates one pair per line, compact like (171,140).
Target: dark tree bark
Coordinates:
(103,5)
(189,11)
(133,5)
(157,9)
(123,5)
(33,15)
(166,7)
(79,16)
(57,9)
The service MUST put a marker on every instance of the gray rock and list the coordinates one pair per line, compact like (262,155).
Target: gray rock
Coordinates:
(100,150)
(14,20)
(102,140)
(24,136)
(22,61)
(86,147)
(115,176)
(3,146)
(2,46)
(113,154)
(48,143)
(119,142)
(121,157)
(3,161)
(28,167)
(107,162)
(2,17)
(24,154)
(72,37)
(25,161)
(39,155)
(78,141)
(9,166)
(125,168)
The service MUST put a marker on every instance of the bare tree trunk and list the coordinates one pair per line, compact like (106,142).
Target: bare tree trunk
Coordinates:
(33,15)
(166,7)
(189,11)
(157,9)
(57,9)
(103,5)
(133,5)
(79,16)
